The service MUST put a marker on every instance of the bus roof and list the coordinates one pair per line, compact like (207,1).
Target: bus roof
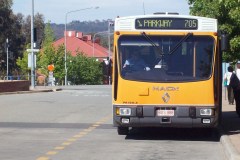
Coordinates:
(166,22)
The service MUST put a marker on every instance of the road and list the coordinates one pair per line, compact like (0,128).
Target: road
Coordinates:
(76,124)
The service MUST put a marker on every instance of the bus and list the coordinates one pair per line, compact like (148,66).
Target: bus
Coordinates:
(179,83)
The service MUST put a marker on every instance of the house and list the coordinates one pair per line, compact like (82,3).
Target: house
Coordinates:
(76,41)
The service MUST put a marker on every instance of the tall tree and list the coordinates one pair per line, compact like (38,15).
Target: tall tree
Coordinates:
(22,62)
(5,27)
(228,14)
(7,4)
(46,56)
(51,55)
(84,70)
(38,24)
(16,29)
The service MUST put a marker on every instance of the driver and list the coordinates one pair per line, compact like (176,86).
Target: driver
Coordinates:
(136,63)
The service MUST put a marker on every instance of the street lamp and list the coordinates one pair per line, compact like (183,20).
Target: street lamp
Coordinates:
(110,23)
(7,56)
(65,38)
(32,53)
(93,50)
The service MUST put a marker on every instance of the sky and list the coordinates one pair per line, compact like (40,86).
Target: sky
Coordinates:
(55,10)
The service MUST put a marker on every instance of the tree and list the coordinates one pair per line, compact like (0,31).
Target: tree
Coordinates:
(84,70)
(17,30)
(51,55)
(22,31)
(46,55)
(5,27)
(22,62)
(38,24)
(228,14)
(59,69)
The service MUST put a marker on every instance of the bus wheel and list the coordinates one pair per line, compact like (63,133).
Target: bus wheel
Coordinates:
(122,130)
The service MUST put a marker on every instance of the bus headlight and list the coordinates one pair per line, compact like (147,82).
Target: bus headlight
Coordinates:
(123,111)
(206,112)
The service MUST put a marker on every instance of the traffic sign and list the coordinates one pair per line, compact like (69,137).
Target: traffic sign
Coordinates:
(32,50)
(51,67)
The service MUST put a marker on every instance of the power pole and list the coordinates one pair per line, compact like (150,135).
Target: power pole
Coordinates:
(7,57)
(32,53)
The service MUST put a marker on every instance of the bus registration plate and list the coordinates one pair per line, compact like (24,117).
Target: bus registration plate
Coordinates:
(168,113)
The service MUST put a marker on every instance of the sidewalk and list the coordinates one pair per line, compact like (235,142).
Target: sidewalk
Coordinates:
(36,89)
(230,136)
(46,88)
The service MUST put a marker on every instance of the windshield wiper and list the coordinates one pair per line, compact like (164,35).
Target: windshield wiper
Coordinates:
(151,42)
(180,42)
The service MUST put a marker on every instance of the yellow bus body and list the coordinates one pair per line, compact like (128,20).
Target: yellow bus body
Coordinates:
(197,93)
(186,99)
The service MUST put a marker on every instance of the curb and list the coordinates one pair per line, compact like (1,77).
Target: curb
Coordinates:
(230,151)
(56,89)
(31,91)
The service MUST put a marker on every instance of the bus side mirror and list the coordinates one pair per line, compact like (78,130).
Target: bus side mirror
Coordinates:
(224,42)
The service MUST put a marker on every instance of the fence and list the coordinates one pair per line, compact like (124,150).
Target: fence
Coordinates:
(40,80)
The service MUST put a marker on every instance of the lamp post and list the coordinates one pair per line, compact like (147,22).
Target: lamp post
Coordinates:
(110,23)
(7,57)
(65,38)
(32,53)
(93,50)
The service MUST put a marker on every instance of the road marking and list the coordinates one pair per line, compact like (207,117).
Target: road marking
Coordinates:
(93,127)
(66,143)
(59,148)
(83,133)
(95,95)
(87,130)
(43,158)
(78,136)
(74,138)
(51,153)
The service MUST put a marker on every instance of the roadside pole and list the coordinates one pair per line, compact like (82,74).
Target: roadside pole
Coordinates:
(32,53)
(32,64)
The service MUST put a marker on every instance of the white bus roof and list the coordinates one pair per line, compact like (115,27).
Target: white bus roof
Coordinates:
(203,24)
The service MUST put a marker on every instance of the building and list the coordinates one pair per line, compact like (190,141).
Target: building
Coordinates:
(76,41)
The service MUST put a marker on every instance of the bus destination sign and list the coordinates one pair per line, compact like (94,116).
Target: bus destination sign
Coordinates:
(166,23)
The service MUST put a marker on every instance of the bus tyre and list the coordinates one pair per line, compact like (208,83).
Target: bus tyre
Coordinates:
(122,130)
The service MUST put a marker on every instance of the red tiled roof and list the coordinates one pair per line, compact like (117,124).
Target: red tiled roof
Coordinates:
(75,44)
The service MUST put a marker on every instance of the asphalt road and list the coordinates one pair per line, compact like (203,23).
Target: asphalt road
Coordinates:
(76,124)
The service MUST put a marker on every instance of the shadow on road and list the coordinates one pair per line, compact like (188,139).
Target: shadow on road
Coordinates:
(186,134)
(230,123)
(51,125)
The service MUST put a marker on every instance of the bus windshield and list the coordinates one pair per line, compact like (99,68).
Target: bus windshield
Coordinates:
(166,58)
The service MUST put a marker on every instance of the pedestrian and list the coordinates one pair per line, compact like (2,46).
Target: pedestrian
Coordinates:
(235,84)
(227,77)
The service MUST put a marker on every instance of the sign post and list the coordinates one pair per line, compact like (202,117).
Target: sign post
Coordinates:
(50,74)
(32,64)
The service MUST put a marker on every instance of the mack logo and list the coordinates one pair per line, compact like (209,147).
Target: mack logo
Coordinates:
(159,88)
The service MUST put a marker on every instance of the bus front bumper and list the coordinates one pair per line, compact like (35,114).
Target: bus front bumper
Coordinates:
(177,116)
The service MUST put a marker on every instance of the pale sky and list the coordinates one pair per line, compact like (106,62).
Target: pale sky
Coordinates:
(55,10)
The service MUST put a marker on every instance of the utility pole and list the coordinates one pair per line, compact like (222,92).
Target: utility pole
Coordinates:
(110,23)
(7,57)
(109,50)
(32,53)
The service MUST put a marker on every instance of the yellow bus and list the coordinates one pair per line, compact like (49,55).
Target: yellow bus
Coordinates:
(175,81)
